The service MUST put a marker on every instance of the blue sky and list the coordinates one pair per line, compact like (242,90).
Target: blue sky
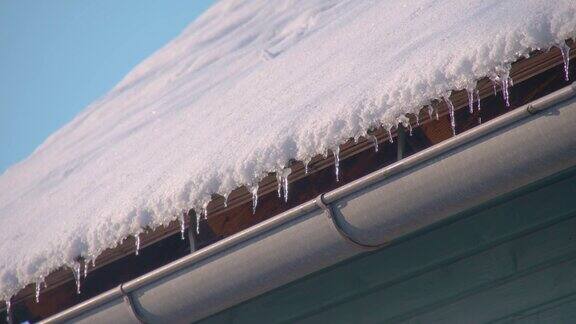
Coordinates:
(57,56)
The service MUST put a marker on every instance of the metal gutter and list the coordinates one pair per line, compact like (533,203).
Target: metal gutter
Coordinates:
(520,147)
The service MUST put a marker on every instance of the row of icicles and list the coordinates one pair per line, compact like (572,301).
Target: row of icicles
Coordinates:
(503,80)
(79,269)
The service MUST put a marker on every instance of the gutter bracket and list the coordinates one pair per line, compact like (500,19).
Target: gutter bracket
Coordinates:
(320,202)
(531,110)
(130,305)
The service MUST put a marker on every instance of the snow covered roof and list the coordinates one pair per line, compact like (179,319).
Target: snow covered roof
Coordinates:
(245,88)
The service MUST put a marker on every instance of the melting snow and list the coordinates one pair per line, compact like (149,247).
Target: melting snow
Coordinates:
(244,89)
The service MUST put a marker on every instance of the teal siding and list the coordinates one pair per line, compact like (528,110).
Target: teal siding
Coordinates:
(510,260)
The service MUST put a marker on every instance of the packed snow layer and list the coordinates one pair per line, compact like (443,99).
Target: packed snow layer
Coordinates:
(245,88)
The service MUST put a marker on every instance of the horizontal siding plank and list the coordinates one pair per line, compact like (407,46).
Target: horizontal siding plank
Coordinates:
(449,284)
(562,310)
(528,291)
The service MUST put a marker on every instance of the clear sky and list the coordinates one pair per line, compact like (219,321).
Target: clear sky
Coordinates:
(57,56)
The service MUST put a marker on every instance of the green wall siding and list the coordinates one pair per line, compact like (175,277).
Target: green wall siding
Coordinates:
(510,260)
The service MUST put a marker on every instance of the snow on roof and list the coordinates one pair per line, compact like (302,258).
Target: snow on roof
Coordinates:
(245,88)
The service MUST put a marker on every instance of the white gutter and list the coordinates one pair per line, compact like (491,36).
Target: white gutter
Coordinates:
(516,149)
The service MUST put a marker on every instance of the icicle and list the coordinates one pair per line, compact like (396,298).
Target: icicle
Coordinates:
(137,243)
(37,294)
(285,182)
(85,269)
(417,119)
(565,50)
(93,262)
(205,211)
(182,225)
(471,101)
(77,275)
(389,129)
(336,152)
(198,223)
(254,198)
(410,129)
(451,111)
(8,311)
(494,87)
(430,111)
(226,201)
(285,185)
(375,141)
(478,98)
(505,81)
(306,163)
(279,181)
